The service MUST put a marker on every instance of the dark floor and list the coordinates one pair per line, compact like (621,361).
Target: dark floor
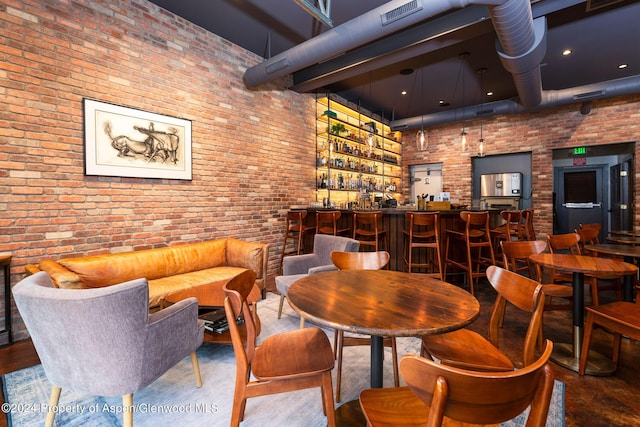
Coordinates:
(590,401)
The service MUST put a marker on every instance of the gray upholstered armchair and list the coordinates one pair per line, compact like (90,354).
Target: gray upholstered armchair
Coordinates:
(297,266)
(103,341)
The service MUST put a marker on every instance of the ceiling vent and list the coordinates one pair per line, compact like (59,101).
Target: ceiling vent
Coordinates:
(401,11)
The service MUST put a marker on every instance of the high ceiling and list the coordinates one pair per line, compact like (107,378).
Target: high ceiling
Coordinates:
(427,57)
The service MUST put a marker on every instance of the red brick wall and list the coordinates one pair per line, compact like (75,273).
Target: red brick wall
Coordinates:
(253,151)
(613,120)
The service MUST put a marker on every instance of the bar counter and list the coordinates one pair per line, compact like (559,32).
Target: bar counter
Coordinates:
(393,221)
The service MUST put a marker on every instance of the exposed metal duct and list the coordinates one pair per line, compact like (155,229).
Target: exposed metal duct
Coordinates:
(521,43)
(550,99)
(375,24)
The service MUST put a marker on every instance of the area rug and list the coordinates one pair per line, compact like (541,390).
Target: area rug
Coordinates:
(174,399)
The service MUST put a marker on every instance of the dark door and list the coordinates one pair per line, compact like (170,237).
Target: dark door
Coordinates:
(580,198)
(621,191)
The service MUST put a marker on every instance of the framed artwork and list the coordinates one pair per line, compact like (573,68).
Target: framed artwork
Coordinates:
(126,142)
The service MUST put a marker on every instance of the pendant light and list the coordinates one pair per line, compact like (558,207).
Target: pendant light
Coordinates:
(463,134)
(421,136)
(481,152)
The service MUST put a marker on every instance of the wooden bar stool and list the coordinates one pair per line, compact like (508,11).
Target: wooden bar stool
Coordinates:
(508,231)
(368,230)
(475,237)
(327,223)
(526,225)
(423,232)
(295,230)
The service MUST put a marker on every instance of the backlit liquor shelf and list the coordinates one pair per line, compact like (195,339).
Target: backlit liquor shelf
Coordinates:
(356,155)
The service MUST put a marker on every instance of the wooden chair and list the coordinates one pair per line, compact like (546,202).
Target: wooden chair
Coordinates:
(361,261)
(516,258)
(295,229)
(619,317)
(526,225)
(589,235)
(440,395)
(423,232)
(368,230)
(288,361)
(327,223)
(570,243)
(509,230)
(467,349)
(475,237)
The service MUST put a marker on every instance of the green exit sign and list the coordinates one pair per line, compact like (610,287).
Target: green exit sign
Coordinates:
(580,150)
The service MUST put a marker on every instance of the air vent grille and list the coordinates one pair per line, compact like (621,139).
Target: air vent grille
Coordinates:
(588,95)
(401,11)
(598,4)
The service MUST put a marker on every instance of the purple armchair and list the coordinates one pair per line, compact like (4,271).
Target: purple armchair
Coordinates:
(103,341)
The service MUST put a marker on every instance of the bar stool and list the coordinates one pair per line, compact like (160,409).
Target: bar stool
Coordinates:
(423,232)
(475,237)
(508,231)
(367,229)
(327,223)
(526,225)
(295,230)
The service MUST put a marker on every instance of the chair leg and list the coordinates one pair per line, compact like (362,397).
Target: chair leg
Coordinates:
(301,322)
(338,350)
(280,306)
(617,340)
(394,356)
(196,368)
(54,397)
(127,410)
(586,343)
(327,399)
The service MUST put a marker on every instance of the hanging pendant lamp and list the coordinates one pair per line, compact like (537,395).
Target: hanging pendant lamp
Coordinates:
(463,134)
(481,147)
(421,136)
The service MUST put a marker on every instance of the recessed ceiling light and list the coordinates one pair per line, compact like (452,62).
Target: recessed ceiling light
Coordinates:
(489,93)
(443,103)
(406,71)
(622,66)
(567,52)
(404,92)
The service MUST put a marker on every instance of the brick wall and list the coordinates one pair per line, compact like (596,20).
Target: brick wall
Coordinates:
(253,151)
(615,120)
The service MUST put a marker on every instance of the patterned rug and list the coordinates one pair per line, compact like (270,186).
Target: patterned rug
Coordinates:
(174,399)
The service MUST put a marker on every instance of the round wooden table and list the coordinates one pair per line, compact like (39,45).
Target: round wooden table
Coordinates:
(627,252)
(625,240)
(625,233)
(568,355)
(382,303)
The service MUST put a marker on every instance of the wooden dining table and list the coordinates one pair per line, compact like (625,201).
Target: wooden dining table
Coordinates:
(382,303)
(625,233)
(565,354)
(628,253)
(624,240)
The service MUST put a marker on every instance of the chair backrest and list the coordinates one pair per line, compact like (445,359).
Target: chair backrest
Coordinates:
(515,255)
(526,225)
(324,244)
(476,224)
(564,243)
(423,224)
(235,306)
(89,340)
(512,220)
(327,222)
(360,260)
(295,218)
(369,220)
(481,397)
(588,236)
(525,294)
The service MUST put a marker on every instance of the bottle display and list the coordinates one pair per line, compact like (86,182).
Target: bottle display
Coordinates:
(357,157)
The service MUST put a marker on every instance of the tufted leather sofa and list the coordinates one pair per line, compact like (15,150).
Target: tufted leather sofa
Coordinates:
(168,270)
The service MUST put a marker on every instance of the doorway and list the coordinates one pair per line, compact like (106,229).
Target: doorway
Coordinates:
(593,185)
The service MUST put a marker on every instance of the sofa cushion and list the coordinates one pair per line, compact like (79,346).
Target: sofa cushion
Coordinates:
(165,286)
(109,269)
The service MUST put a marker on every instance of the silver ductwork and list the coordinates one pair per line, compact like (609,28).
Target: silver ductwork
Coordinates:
(375,24)
(521,43)
(549,99)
